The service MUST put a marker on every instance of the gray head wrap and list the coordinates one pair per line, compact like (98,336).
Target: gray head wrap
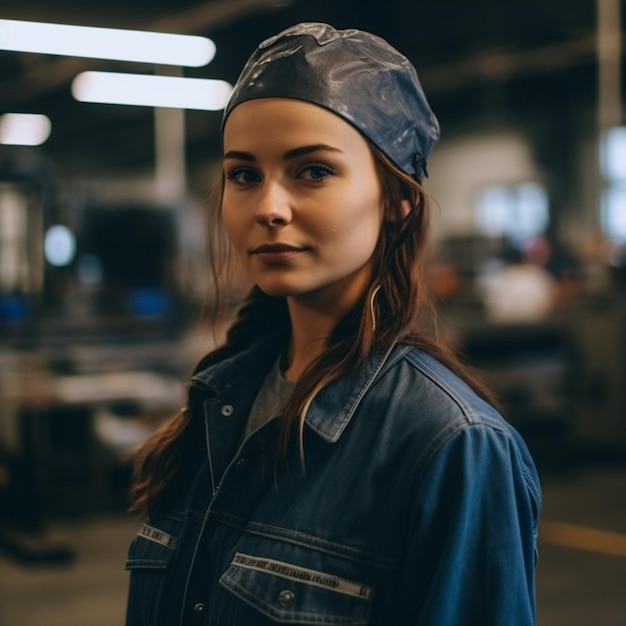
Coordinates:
(352,73)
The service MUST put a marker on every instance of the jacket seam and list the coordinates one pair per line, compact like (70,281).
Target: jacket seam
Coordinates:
(322,545)
(305,540)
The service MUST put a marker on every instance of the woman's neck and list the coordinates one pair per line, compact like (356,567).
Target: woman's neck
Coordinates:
(312,323)
(310,329)
(314,316)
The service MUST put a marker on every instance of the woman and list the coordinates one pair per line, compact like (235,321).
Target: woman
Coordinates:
(333,465)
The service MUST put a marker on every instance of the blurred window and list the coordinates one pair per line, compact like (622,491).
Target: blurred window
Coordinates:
(518,212)
(13,236)
(614,212)
(59,245)
(613,169)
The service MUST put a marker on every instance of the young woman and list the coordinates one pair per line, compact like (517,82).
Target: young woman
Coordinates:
(333,465)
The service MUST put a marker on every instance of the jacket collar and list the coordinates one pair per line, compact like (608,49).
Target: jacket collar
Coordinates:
(331,409)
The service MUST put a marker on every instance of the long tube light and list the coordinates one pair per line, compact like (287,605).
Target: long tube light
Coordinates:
(149,90)
(106,43)
(24,129)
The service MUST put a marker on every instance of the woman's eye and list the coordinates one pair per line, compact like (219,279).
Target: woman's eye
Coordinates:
(315,172)
(243,176)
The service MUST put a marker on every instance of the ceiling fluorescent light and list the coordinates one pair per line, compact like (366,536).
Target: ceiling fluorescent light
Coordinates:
(153,91)
(24,129)
(106,43)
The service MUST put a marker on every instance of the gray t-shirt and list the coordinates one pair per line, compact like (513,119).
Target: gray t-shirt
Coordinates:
(271,395)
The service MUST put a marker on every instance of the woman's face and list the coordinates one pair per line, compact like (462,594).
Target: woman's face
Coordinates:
(302,201)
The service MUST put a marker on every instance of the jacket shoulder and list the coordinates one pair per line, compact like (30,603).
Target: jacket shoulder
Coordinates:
(433,405)
(438,389)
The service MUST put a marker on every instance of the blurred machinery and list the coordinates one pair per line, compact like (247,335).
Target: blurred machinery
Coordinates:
(92,353)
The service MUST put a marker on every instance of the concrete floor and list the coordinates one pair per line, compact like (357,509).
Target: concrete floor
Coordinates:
(581,577)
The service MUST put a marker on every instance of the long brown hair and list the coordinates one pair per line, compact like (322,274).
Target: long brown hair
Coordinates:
(397,307)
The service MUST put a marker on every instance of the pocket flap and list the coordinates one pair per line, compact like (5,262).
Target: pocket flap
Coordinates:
(289,593)
(153,547)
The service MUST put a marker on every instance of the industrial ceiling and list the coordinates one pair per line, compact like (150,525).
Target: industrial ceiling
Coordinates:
(475,59)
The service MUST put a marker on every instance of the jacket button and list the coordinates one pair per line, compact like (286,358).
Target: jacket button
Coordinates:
(200,609)
(227,410)
(286,597)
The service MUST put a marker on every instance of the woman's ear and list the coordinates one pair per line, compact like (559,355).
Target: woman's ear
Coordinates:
(405,208)
(394,216)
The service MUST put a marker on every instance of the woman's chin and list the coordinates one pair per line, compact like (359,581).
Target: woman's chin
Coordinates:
(279,291)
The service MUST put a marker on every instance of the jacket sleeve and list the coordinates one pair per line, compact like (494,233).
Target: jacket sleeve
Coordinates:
(472,533)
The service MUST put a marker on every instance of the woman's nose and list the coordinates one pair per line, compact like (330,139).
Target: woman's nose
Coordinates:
(273,208)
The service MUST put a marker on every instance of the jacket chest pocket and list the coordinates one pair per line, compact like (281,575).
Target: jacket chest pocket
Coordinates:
(149,556)
(288,593)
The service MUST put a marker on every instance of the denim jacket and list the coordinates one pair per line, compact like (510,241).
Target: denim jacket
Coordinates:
(416,504)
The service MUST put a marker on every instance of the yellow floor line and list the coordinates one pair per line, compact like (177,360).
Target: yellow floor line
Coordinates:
(583,538)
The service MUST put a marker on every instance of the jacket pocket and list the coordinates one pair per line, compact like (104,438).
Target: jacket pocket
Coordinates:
(149,555)
(288,593)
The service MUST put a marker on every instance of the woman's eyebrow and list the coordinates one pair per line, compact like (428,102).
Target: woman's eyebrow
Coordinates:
(236,154)
(297,152)
(290,154)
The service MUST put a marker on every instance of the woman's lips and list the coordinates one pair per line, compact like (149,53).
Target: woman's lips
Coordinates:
(276,253)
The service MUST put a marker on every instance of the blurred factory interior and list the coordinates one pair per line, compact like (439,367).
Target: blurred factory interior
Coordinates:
(103,294)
